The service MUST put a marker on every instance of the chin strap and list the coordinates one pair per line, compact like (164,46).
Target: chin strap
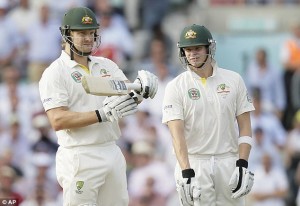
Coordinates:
(72,54)
(200,67)
(73,49)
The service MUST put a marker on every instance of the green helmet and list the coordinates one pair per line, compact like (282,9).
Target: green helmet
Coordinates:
(80,18)
(194,35)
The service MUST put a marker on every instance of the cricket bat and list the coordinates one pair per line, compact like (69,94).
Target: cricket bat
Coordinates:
(107,87)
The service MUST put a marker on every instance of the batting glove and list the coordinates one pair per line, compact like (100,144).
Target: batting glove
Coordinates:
(241,180)
(128,106)
(116,107)
(107,112)
(149,84)
(188,189)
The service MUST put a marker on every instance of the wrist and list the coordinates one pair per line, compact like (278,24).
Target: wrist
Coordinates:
(242,163)
(245,140)
(188,173)
(101,115)
(98,115)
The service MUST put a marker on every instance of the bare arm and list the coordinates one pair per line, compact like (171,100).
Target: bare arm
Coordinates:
(176,128)
(62,118)
(244,125)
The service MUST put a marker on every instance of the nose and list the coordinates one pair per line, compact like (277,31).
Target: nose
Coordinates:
(89,37)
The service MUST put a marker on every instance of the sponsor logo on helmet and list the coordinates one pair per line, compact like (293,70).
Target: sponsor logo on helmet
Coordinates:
(79,185)
(76,76)
(190,34)
(87,20)
(194,93)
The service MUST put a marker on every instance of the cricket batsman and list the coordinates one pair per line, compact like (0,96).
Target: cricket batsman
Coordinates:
(90,167)
(207,110)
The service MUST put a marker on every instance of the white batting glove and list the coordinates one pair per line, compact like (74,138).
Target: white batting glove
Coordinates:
(149,83)
(116,107)
(128,106)
(108,114)
(188,189)
(241,180)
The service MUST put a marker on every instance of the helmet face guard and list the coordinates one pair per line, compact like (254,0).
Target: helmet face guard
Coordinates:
(77,48)
(196,35)
(79,19)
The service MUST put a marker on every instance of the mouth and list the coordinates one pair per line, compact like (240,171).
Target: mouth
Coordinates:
(87,46)
(194,58)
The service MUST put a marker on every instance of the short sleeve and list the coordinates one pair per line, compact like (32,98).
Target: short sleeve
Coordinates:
(172,104)
(53,90)
(244,101)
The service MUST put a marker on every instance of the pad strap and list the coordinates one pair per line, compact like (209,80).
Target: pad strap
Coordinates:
(246,139)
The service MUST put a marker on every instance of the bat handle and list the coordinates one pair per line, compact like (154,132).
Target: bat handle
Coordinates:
(197,203)
(134,86)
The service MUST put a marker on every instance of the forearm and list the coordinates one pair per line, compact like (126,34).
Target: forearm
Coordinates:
(179,144)
(62,118)
(181,153)
(244,131)
(244,151)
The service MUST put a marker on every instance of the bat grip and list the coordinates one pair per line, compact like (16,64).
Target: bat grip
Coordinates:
(134,86)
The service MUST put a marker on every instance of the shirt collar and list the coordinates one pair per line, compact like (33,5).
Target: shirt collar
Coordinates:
(215,68)
(66,58)
(71,63)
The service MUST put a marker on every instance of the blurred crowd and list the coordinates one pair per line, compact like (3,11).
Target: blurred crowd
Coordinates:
(133,37)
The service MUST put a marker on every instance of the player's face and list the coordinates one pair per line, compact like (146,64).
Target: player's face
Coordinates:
(83,40)
(196,55)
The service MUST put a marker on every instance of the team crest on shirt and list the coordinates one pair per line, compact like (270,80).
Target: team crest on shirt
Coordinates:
(76,76)
(194,93)
(79,186)
(104,73)
(223,90)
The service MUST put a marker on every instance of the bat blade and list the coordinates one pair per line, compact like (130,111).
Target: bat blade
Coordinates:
(107,87)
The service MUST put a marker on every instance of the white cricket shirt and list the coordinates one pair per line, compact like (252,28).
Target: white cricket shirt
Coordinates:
(209,111)
(60,85)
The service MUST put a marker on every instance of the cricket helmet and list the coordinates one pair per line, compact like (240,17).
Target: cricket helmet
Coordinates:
(78,19)
(195,35)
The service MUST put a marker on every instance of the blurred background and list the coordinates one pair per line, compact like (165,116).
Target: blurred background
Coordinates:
(260,39)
